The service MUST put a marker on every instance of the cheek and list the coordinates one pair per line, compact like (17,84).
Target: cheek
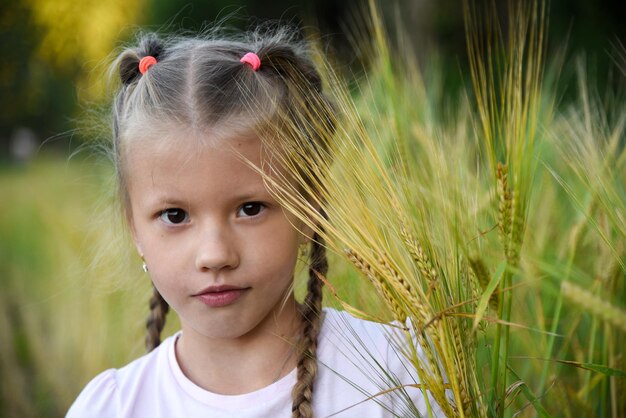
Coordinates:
(166,280)
(279,253)
(164,264)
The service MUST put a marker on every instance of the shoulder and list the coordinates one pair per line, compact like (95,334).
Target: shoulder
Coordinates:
(111,392)
(377,362)
(354,347)
(354,360)
(340,329)
(98,399)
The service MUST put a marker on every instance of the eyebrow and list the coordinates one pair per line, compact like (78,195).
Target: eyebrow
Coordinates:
(167,201)
(251,196)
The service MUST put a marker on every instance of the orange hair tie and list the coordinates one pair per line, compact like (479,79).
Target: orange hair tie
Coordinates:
(252,60)
(146,62)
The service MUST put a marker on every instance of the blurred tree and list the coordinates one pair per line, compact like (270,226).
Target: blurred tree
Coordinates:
(327,16)
(24,88)
(54,50)
(75,37)
(50,49)
(196,14)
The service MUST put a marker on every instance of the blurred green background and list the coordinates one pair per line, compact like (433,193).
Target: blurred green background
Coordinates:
(54,51)
(72,298)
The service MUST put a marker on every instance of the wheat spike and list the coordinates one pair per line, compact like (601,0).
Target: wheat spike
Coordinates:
(505,206)
(379,283)
(459,348)
(405,289)
(517,231)
(416,250)
(593,304)
(479,269)
(419,257)
(438,386)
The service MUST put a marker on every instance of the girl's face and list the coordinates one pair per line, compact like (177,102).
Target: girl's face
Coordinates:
(219,248)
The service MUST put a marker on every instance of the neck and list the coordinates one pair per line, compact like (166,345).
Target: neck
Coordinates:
(233,366)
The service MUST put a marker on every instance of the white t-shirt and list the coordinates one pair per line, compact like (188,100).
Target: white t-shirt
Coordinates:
(154,386)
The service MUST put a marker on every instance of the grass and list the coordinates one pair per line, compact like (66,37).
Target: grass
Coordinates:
(74,298)
(493,221)
(499,231)
(63,317)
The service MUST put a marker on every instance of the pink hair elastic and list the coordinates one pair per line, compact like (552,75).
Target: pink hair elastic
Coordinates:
(252,60)
(146,62)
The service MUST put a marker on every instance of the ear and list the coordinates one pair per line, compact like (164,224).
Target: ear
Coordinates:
(137,242)
(306,234)
(133,231)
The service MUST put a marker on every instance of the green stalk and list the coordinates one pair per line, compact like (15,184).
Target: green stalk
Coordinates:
(593,332)
(555,324)
(611,362)
(557,311)
(604,385)
(495,357)
(495,360)
(507,302)
(531,397)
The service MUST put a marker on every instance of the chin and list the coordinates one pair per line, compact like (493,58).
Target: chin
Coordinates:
(225,328)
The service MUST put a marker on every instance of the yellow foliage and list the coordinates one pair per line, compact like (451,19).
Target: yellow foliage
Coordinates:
(77,36)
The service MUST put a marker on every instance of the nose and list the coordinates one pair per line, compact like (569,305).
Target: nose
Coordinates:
(216,249)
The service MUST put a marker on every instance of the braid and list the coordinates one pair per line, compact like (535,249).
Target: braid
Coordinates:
(156,320)
(311,317)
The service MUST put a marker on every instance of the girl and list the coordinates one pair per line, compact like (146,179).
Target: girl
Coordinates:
(221,251)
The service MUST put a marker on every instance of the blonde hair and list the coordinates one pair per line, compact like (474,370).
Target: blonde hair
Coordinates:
(200,83)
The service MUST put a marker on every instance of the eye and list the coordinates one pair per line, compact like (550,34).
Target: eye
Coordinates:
(174,216)
(250,209)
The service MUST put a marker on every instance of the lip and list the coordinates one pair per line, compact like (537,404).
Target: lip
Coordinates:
(222,295)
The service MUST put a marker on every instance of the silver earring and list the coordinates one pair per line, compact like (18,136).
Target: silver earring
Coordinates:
(144,267)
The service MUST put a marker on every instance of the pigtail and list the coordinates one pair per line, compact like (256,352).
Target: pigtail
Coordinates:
(287,66)
(311,312)
(302,91)
(284,62)
(156,320)
(127,67)
(149,45)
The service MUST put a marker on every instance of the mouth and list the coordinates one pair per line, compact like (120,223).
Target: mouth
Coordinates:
(218,296)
